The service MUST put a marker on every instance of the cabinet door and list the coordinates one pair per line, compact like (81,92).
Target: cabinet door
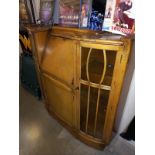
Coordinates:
(57,65)
(60,99)
(96,77)
(59,59)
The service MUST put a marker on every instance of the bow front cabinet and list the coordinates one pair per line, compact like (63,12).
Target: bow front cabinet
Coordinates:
(81,74)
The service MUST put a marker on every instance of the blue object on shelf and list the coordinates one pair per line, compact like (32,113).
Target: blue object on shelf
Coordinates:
(96,20)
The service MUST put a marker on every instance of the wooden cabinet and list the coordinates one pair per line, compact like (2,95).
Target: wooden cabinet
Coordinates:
(81,74)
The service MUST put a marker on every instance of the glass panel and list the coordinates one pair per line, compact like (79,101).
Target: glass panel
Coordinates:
(111,57)
(101,113)
(83,106)
(84,55)
(92,109)
(96,65)
(104,96)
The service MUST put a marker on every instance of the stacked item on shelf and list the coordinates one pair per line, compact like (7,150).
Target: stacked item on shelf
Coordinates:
(119,17)
(97,15)
(24,16)
(85,13)
(39,11)
(82,13)
(69,11)
(116,16)
(46,11)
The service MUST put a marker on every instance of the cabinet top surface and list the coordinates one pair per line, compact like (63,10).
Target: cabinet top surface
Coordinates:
(79,34)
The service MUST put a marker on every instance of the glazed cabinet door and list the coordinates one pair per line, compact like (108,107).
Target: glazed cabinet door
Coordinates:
(98,67)
(57,71)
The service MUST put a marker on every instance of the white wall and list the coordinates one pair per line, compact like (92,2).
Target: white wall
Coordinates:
(126,106)
(129,108)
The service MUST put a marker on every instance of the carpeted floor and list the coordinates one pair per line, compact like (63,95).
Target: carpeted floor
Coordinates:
(40,134)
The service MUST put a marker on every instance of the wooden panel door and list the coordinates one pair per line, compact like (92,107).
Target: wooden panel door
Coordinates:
(60,99)
(59,59)
(57,70)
